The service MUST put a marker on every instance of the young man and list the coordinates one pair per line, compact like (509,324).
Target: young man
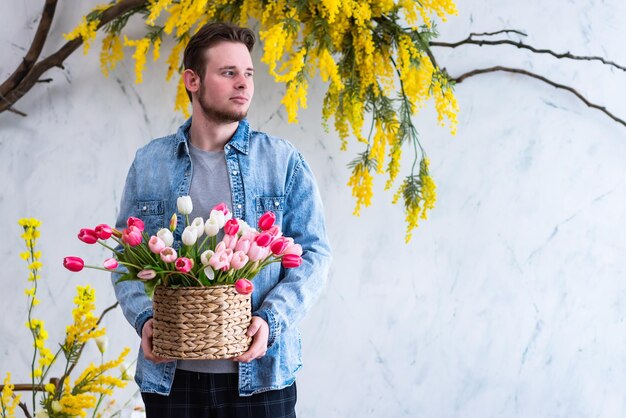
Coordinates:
(215,157)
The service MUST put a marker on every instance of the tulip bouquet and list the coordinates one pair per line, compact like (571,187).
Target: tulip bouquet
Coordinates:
(200,260)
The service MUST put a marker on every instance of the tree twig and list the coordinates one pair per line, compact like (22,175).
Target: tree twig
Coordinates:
(519,32)
(480,42)
(473,73)
(24,408)
(80,352)
(34,51)
(56,59)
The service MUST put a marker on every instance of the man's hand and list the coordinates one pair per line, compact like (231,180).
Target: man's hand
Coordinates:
(146,343)
(259,331)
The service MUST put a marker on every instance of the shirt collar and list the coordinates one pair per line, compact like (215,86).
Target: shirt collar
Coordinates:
(240,139)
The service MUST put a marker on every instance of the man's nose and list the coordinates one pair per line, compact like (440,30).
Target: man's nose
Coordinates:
(241,82)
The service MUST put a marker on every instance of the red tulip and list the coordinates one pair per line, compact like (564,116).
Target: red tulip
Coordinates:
(279,245)
(231,227)
(263,239)
(110,264)
(73,263)
(132,221)
(290,261)
(132,236)
(103,231)
(184,265)
(88,236)
(266,221)
(244,286)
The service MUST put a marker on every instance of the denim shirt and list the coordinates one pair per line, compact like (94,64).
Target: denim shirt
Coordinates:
(266,173)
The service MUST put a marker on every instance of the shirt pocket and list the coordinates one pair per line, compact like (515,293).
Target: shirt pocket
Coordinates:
(274,204)
(152,213)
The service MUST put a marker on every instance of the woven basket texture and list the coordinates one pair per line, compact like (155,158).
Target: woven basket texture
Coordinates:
(207,323)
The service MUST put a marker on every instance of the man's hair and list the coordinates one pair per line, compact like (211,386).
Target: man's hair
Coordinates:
(208,36)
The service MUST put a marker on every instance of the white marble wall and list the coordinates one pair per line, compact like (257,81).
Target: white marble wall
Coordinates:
(507,303)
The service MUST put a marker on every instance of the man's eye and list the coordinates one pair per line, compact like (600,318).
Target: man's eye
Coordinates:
(249,75)
(228,73)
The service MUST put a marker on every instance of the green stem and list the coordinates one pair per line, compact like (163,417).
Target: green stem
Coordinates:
(101,397)
(110,248)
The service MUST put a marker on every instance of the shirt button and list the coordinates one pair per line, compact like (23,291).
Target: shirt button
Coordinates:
(145,208)
(227,147)
(235,173)
(276,203)
(238,206)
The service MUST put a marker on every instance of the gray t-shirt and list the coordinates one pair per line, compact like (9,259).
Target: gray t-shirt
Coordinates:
(210,185)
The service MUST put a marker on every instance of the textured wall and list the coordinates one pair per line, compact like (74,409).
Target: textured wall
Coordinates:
(509,300)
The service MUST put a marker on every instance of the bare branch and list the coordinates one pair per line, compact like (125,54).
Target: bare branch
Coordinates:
(56,59)
(471,41)
(519,32)
(25,409)
(110,308)
(41,34)
(80,352)
(473,73)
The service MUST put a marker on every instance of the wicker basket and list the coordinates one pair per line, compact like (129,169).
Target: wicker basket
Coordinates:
(196,323)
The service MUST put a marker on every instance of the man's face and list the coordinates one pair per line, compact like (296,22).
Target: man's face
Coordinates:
(226,91)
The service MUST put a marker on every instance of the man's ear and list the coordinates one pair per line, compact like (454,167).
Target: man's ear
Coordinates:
(191,80)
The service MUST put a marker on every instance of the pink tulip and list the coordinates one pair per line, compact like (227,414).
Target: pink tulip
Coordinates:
(220,261)
(239,260)
(279,245)
(244,286)
(220,247)
(132,221)
(132,236)
(156,244)
(184,265)
(267,220)
(222,208)
(88,236)
(231,227)
(256,252)
(103,231)
(148,274)
(168,255)
(263,239)
(249,235)
(294,249)
(290,261)
(230,241)
(110,264)
(243,245)
(274,231)
(73,263)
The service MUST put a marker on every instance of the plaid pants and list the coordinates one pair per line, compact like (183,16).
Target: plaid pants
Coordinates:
(208,395)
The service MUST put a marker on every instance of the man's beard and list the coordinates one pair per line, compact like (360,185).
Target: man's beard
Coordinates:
(218,115)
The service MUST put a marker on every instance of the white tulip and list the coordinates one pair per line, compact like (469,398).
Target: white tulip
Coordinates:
(166,236)
(243,227)
(211,228)
(128,371)
(42,414)
(219,217)
(102,342)
(205,257)
(184,205)
(210,274)
(190,236)
(198,224)
(56,406)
